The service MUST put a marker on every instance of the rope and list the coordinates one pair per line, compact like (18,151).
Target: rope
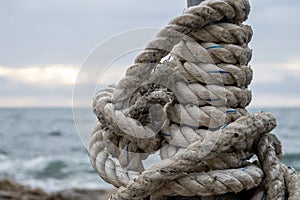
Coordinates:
(191,108)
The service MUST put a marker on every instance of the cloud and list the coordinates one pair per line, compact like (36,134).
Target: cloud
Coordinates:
(53,85)
(265,72)
(273,100)
(49,85)
(36,101)
(37,34)
(66,31)
(276,84)
(51,75)
(276,30)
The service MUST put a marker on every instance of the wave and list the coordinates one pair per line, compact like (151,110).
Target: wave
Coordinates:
(3,152)
(291,157)
(54,185)
(292,160)
(52,173)
(55,133)
(54,169)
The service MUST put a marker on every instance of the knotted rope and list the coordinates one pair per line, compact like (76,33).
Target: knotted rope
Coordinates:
(185,97)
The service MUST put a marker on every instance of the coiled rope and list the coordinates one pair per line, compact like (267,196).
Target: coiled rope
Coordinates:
(185,97)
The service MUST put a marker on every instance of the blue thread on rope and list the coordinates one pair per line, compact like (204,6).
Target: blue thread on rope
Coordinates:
(244,159)
(225,126)
(244,169)
(167,135)
(216,99)
(291,168)
(177,149)
(215,47)
(218,72)
(193,28)
(264,196)
(127,152)
(123,105)
(231,111)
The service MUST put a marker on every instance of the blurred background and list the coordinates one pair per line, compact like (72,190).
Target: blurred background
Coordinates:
(44,44)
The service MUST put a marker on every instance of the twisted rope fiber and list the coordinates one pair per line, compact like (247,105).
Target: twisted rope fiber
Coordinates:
(190,108)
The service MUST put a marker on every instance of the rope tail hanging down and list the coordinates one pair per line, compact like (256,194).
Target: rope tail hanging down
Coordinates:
(191,108)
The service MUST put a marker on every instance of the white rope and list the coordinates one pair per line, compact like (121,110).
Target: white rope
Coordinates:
(192,108)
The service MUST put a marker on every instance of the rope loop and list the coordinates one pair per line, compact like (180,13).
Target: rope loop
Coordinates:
(186,97)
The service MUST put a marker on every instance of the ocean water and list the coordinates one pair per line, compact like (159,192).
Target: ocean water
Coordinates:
(44,147)
(41,148)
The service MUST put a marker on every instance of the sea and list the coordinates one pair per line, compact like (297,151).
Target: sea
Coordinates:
(46,147)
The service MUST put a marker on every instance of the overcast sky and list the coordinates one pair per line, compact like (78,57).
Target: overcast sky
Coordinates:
(43,44)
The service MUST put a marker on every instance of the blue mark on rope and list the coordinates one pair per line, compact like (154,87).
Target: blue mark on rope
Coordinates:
(218,72)
(167,135)
(127,152)
(231,111)
(215,47)
(216,99)
(244,169)
(177,149)
(123,105)
(225,126)
(263,197)
(289,167)
(244,159)
(193,28)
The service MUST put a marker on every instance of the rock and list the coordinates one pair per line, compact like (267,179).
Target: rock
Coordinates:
(11,190)
(10,185)
(79,194)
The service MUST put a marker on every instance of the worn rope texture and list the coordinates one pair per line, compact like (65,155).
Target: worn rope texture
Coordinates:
(191,108)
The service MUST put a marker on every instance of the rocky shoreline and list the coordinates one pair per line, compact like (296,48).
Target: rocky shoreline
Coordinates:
(12,190)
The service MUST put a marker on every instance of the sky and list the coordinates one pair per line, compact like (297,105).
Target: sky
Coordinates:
(45,44)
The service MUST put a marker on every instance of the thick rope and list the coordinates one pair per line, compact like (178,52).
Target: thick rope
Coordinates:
(199,156)
(198,16)
(214,182)
(191,107)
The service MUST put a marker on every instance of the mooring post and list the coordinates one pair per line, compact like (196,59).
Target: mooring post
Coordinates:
(193,2)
